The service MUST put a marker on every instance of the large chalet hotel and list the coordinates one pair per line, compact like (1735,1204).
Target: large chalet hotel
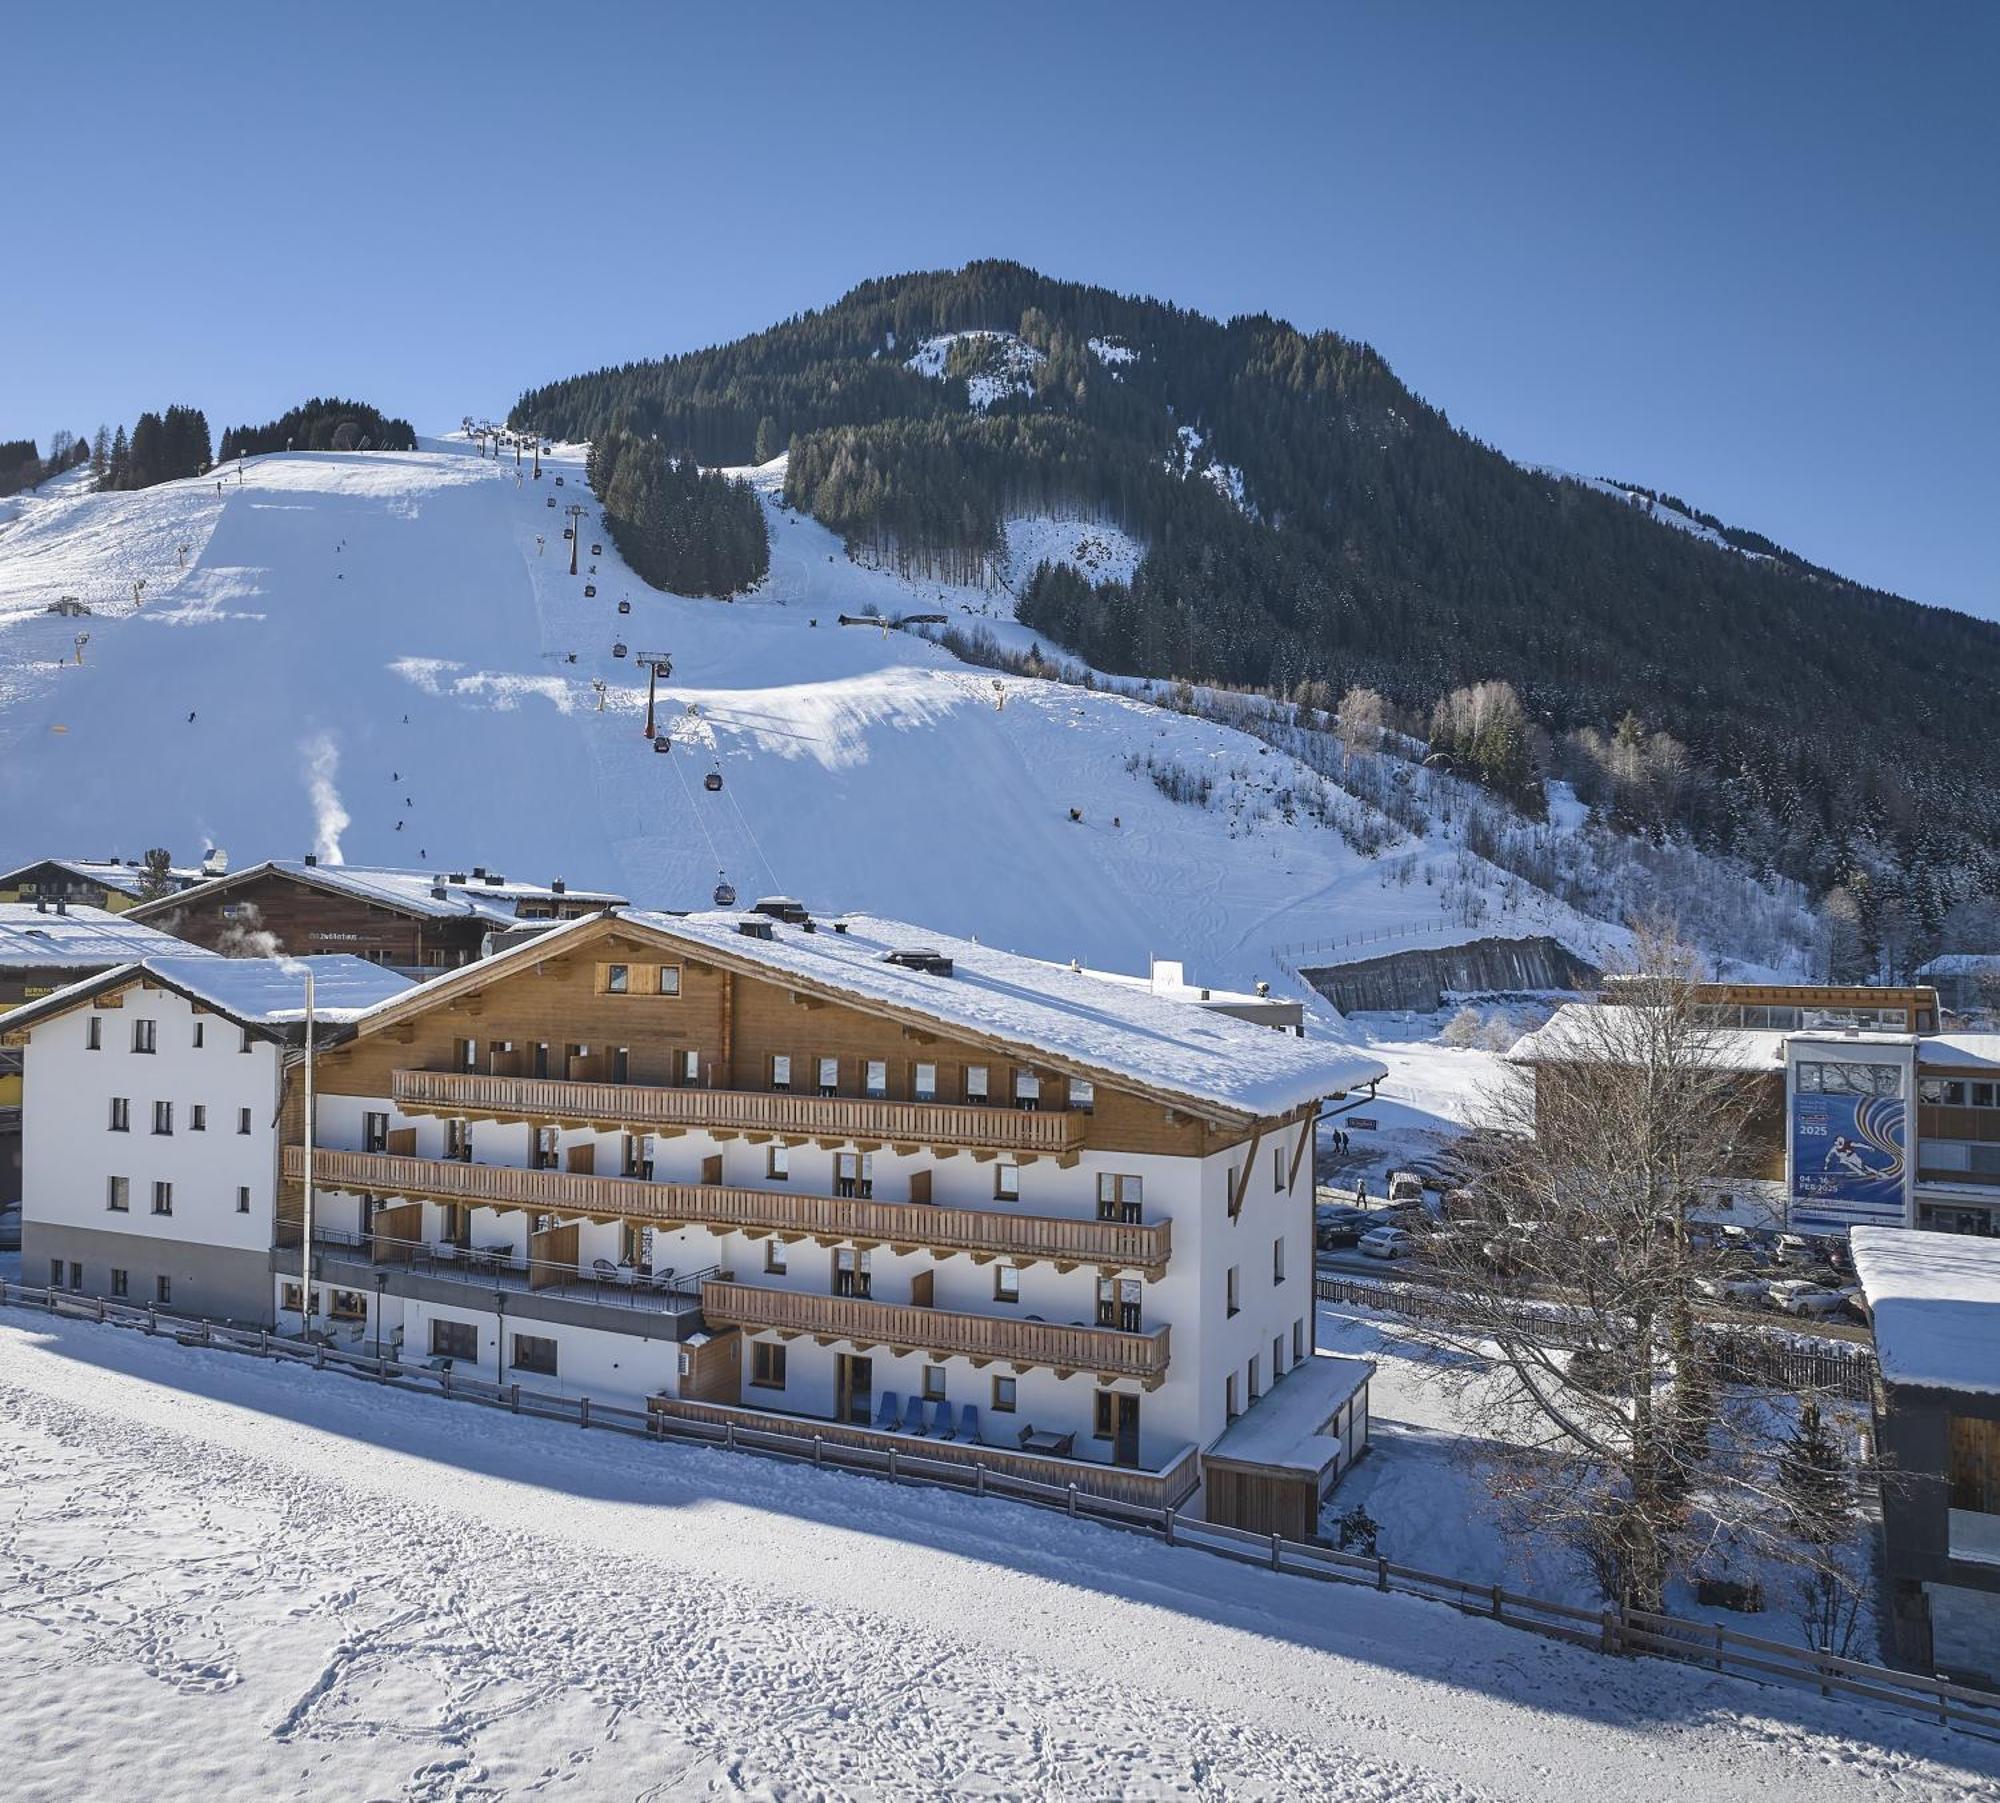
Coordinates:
(845,1174)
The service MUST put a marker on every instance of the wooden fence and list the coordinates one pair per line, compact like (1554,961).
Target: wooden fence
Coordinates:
(1742,1355)
(1610,1630)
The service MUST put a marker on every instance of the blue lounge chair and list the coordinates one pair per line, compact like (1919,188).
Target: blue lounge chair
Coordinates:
(913,1419)
(886,1412)
(941,1419)
(968,1423)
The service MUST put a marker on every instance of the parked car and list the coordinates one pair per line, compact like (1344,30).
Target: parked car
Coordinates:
(1387,1242)
(1798,1297)
(1732,1289)
(1338,1227)
(1406,1186)
(10,1228)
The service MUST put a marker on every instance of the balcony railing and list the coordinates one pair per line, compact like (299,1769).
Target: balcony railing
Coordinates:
(1057,1345)
(639,1106)
(981,1231)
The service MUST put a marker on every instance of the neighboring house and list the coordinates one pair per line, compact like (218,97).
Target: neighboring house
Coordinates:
(1863,1113)
(45,946)
(1966,982)
(113,884)
(415,921)
(1935,1303)
(845,1179)
(151,1123)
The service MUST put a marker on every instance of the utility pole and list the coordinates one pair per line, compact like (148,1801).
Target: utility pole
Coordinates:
(517,450)
(658,664)
(575,511)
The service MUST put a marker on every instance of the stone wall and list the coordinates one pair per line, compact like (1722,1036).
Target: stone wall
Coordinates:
(1419,979)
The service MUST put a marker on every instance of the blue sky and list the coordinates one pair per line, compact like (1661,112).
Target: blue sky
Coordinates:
(1749,254)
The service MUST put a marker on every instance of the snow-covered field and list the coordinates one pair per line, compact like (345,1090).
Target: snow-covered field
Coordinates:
(220,1578)
(371,652)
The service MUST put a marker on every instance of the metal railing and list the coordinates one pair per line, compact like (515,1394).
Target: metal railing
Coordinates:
(1609,1630)
(496,1267)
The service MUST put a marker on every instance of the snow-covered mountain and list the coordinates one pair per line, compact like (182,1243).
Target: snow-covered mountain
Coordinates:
(383,656)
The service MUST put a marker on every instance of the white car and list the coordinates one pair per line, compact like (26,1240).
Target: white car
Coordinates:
(1797,1297)
(1387,1242)
(1732,1289)
(1406,1186)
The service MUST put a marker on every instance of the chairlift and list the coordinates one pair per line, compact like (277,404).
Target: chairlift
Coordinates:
(559,481)
(624,607)
(551,500)
(662,743)
(712,781)
(589,589)
(618,650)
(597,550)
(568,531)
(725,894)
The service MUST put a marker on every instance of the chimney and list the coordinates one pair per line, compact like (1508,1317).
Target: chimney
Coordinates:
(41,907)
(558,887)
(312,858)
(62,906)
(479,873)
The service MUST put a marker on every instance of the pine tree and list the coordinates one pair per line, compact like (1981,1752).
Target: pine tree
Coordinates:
(156,878)
(100,455)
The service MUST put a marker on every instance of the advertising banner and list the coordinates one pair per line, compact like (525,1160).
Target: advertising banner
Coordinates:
(1849,1140)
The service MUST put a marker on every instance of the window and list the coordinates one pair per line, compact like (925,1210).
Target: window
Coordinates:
(617,981)
(121,1282)
(121,1114)
(199,1034)
(163,1117)
(670,979)
(1007,1181)
(1254,1388)
(1277,1356)
(1103,1415)
(829,1076)
(1278,1260)
(1278,1167)
(975,1083)
(55,1273)
(934,1383)
(465,1054)
(163,1290)
(636,1156)
(781,1071)
(75,1275)
(1006,1283)
(1298,1340)
(767,1365)
(163,1198)
(243,1120)
(349,1305)
(1119,1304)
(690,1066)
(93,1034)
(118,1195)
(374,1132)
(454,1340)
(243,1198)
(1003,1396)
(774,1257)
(778,1164)
(197,1117)
(145,1036)
(1229,1409)
(247,1041)
(1235,1290)
(534,1353)
(1082,1094)
(851,1273)
(854,1174)
(1027,1091)
(1119,1198)
(1235,1191)
(457,1140)
(875,1079)
(923,1082)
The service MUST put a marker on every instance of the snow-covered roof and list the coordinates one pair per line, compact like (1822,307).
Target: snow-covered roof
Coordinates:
(127,876)
(1935,1298)
(1066,1015)
(1578,1032)
(1959,1051)
(254,992)
(31,939)
(491,898)
(1960,964)
(1283,1427)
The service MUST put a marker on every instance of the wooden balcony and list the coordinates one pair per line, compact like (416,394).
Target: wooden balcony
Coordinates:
(985,1233)
(645,1108)
(1055,1345)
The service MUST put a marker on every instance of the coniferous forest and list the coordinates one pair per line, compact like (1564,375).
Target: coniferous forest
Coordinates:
(321,425)
(694,531)
(1829,731)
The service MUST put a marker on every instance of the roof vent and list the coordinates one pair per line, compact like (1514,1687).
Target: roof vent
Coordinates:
(457,876)
(754,929)
(41,907)
(495,880)
(479,873)
(557,886)
(932,964)
(439,892)
(840,926)
(781,907)
(312,858)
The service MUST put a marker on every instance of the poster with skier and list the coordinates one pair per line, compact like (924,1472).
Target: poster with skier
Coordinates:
(1849,1137)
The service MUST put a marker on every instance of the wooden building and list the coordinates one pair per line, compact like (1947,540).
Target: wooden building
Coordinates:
(418,922)
(111,884)
(851,1179)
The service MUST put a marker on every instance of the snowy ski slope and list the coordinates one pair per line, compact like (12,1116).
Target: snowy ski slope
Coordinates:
(369,654)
